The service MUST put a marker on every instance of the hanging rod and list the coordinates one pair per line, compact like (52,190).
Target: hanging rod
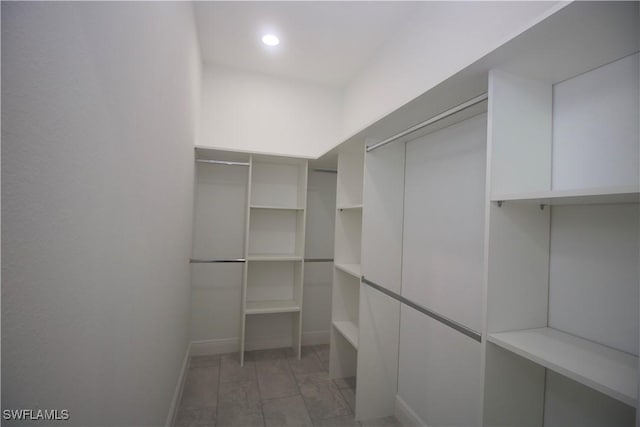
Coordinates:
(213,261)
(325,170)
(318,260)
(222,162)
(450,112)
(444,320)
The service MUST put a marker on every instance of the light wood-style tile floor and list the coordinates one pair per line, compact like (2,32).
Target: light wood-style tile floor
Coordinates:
(272,389)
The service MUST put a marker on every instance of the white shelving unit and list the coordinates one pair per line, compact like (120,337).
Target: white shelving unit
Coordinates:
(602,368)
(275,237)
(562,273)
(346,275)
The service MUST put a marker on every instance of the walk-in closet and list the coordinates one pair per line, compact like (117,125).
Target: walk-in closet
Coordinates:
(368,214)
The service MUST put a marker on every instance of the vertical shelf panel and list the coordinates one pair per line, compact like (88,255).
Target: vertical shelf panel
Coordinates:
(276,232)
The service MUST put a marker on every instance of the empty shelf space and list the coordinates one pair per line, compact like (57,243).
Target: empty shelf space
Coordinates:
(574,197)
(267,307)
(348,330)
(602,368)
(352,269)
(348,206)
(274,257)
(284,208)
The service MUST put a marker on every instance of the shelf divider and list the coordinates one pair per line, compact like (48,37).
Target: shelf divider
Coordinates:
(602,368)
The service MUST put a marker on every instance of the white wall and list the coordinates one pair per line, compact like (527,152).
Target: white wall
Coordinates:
(245,111)
(99,102)
(440,39)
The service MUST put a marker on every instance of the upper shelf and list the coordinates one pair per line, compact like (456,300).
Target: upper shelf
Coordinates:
(629,194)
(602,368)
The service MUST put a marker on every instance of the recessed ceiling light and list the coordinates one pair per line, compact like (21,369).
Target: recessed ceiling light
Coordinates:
(270,40)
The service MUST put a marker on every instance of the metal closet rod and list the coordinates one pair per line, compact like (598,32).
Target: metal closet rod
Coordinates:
(222,162)
(440,318)
(450,112)
(214,261)
(325,170)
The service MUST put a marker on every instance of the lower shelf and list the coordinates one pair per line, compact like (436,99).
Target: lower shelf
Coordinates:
(268,307)
(602,368)
(348,330)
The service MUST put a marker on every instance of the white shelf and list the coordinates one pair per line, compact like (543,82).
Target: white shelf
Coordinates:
(347,206)
(352,269)
(268,307)
(276,257)
(575,197)
(284,208)
(348,330)
(609,371)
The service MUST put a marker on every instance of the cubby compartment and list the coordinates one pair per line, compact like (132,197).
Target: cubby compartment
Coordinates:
(273,287)
(278,182)
(275,233)
(348,240)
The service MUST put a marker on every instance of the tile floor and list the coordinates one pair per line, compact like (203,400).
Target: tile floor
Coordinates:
(272,389)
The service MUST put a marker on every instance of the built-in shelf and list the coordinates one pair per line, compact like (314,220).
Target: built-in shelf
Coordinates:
(602,368)
(283,208)
(283,257)
(348,330)
(268,307)
(574,197)
(348,206)
(352,269)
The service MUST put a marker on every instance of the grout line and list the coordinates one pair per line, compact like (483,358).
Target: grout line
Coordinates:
(219,390)
(295,380)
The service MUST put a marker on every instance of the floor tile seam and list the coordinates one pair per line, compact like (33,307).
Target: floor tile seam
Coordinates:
(219,388)
(304,401)
(270,399)
(353,412)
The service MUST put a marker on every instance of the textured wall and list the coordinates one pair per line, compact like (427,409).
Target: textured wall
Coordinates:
(254,112)
(99,103)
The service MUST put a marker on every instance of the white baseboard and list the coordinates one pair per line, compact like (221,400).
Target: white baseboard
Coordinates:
(230,345)
(177,394)
(406,416)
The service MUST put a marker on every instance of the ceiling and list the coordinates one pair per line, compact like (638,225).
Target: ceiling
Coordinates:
(326,42)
